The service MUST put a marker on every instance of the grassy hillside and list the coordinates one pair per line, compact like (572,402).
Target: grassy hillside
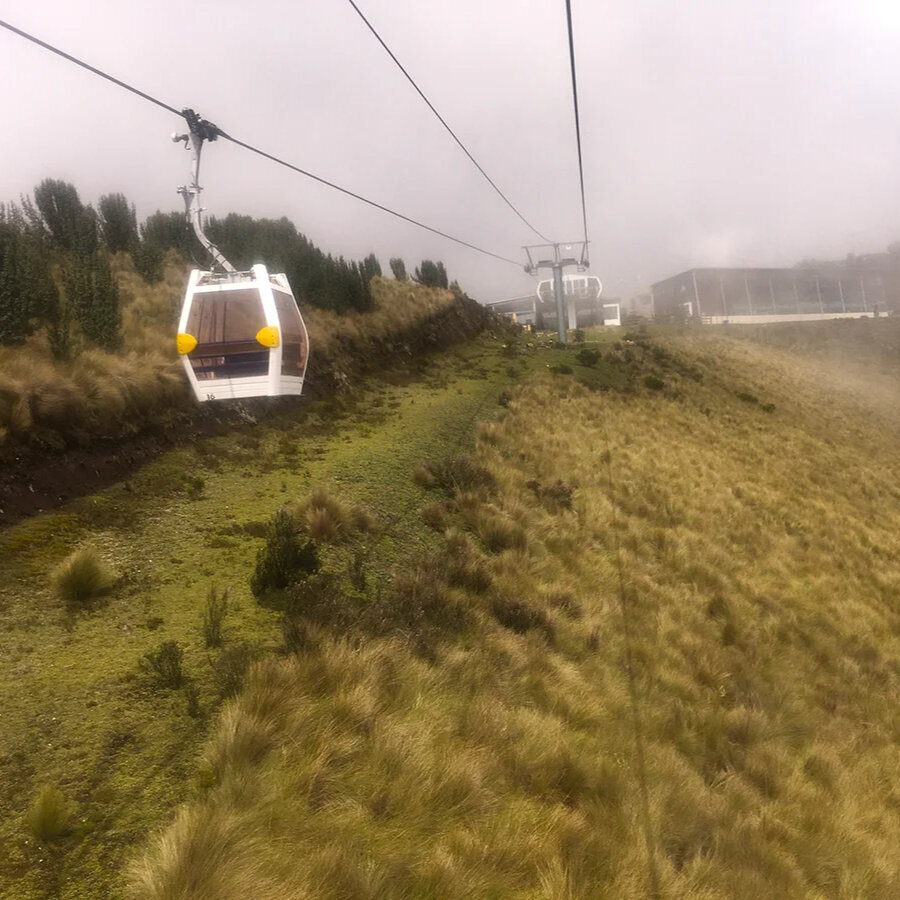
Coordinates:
(666,661)
(81,715)
(49,404)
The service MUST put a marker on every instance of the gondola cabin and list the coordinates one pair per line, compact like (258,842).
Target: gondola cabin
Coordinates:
(241,335)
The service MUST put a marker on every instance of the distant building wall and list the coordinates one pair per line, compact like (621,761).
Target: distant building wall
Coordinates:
(774,294)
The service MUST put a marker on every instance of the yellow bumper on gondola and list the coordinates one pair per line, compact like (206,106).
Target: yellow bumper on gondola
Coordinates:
(185,343)
(268,336)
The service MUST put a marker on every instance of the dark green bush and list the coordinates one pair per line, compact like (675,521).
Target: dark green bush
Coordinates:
(164,663)
(560,369)
(654,383)
(746,397)
(588,357)
(284,558)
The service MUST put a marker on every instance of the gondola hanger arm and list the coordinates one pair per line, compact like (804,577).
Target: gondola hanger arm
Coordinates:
(199,130)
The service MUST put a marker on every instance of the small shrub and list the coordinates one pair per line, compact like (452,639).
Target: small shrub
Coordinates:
(746,397)
(767,407)
(560,369)
(284,558)
(578,336)
(654,382)
(48,817)
(231,667)
(82,577)
(588,357)
(521,616)
(214,613)
(504,398)
(164,663)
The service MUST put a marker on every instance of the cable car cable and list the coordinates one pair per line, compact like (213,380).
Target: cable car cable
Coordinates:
(84,65)
(577,118)
(443,122)
(373,203)
(181,113)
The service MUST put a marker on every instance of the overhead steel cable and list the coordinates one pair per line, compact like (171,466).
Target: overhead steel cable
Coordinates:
(84,65)
(269,156)
(443,122)
(577,117)
(359,197)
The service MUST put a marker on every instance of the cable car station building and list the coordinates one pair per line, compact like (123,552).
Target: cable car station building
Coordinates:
(758,296)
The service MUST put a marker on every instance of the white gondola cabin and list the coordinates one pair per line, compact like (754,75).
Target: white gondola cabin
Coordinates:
(241,335)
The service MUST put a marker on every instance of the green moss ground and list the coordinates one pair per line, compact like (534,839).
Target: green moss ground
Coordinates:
(76,710)
(78,713)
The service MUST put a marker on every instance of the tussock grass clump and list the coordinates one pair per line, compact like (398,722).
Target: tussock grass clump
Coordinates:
(521,616)
(49,816)
(214,613)
(555,496)
(164,664)
(435,516)
(498,532)
(420,606)
(455,474)
(83,576)
(327,520)
(284,558)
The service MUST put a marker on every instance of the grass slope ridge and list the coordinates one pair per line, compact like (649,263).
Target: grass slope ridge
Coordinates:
(99,396)
(68,429)
(726,508)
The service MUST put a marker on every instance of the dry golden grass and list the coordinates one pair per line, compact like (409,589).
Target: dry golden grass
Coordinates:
(47,402)
(752,556)
(81,577)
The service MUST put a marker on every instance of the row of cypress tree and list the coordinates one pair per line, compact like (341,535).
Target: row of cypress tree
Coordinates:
(54,262)
(54,270)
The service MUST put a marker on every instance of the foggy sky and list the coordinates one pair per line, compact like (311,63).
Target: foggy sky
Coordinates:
(715,132)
